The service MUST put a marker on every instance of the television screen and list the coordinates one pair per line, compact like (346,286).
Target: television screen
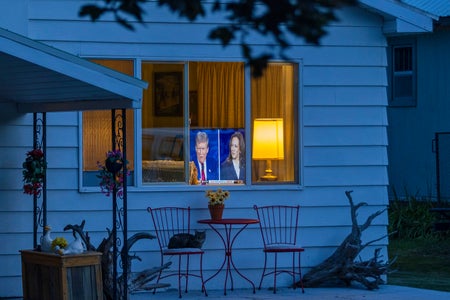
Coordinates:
(219,155)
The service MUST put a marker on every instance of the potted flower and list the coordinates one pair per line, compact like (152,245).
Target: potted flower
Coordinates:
(34,171)
(110,174)
(216,203)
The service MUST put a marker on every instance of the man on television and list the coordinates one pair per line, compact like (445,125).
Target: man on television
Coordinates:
(206,165)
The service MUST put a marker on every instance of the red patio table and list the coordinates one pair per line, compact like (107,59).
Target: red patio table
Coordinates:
(228,241)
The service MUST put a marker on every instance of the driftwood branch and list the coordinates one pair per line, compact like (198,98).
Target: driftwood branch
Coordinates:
(341,267)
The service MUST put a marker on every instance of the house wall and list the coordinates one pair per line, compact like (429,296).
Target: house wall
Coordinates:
(342,127)
(412,162)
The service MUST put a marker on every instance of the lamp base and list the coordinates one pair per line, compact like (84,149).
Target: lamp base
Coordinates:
(268,177)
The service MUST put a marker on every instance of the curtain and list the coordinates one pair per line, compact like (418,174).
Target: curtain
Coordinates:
(97,126)
(220,94)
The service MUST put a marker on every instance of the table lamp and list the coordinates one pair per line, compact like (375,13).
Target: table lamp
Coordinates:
(268,143)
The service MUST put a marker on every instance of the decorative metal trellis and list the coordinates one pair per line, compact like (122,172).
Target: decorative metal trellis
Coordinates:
(119,200)
(40,199)
(120,213)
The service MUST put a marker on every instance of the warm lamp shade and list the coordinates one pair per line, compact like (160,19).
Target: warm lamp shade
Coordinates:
(268,143)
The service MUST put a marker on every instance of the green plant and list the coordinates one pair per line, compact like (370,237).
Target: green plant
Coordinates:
(411,218)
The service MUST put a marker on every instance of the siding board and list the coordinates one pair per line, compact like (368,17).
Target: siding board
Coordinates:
(345,156)
(342,176)
(345,136)
(345,96)
(344,116)
(76,31)
(344,76)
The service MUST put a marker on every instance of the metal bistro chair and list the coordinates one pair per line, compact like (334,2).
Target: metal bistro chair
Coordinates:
(279,226)
(169,221)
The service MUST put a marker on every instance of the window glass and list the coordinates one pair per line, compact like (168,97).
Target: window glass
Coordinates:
(163,123)
(274,114)
(97,131)
(216,122)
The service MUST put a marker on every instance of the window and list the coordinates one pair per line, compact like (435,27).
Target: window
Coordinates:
(402,73)
(97,132)
(274,107)
(194,124)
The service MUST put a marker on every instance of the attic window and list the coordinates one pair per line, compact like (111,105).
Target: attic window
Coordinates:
(402,75)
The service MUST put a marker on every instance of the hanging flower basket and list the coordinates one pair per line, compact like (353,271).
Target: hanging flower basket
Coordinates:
(113,166)
(34,172)
(110,175)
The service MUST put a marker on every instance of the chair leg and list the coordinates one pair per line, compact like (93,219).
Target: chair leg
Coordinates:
(293,270)
(300,271)
(275,274)
(187,272)
(179,276)
(264,270)
(159,274)
(201,275)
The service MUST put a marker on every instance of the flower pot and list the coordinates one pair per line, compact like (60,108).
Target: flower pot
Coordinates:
(216,211)
(113,166)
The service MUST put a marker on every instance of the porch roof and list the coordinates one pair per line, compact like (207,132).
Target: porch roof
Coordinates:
(400,18)
(35,77)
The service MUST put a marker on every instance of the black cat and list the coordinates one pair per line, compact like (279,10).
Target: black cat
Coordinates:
(187,240)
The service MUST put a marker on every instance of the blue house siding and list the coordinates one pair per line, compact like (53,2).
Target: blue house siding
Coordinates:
(342,128)
(412,169)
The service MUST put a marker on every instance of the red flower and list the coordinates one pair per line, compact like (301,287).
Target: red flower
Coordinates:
(34,172)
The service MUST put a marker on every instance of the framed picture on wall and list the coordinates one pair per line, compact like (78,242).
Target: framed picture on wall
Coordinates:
(168,95)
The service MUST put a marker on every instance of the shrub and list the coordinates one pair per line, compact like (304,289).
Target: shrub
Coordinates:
(411,218)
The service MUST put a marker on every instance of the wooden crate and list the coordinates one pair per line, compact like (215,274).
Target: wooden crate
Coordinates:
(66,277)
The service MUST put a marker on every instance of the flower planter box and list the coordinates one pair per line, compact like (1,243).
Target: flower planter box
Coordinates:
(51,276)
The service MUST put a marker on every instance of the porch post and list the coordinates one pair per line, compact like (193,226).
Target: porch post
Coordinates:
(120,213)
(40,142)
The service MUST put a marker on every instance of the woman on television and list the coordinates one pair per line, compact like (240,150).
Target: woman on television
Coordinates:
(233,168)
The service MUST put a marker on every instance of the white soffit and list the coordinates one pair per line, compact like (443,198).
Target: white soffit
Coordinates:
(40,78)
(401,18)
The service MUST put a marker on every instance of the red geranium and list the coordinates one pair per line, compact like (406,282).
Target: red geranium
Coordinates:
(34,171)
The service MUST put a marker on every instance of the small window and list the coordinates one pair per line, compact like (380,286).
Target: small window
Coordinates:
(97,132)
(402,75)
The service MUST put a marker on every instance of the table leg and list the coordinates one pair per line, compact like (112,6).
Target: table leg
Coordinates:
(224,259)
(228,242)
(230,247)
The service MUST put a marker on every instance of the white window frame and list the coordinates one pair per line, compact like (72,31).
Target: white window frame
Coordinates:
(406,101)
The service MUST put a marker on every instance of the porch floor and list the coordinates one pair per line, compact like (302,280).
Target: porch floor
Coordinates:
(384,292)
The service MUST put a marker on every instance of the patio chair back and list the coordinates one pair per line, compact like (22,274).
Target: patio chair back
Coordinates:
(278,224)
(169,221)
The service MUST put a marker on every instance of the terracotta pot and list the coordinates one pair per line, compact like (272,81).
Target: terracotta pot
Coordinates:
(216,211)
